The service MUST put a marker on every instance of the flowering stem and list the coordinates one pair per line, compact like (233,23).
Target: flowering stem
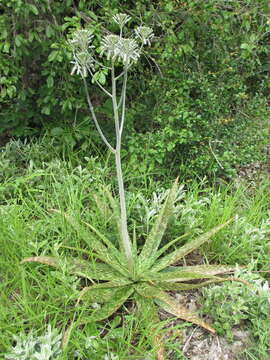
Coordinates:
(123,96)
(92,111)
(126,244)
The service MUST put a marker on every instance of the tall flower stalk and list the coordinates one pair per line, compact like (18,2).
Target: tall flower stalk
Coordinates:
(118,51)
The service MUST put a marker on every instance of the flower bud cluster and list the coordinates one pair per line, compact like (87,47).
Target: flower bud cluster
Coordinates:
(82,54)
(114,47)
(118,48)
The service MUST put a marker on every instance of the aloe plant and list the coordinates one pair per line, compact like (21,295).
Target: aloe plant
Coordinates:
(124,271)
(153,273)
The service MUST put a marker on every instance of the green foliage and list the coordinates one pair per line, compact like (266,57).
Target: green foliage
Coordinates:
(239,305)
(148,280)
(37,295)
(213,57)
(214,61)
(32,347)
(36,87)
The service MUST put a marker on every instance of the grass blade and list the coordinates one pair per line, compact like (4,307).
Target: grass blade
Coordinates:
(148,314)
(187,248)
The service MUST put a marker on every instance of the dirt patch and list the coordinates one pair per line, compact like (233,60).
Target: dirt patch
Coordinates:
(198,344)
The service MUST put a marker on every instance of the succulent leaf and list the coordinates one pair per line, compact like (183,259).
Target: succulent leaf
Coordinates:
(177,276)
(178,254)
(171,306)
(83,268)
(148,253)
(118,296)
(169,244)
(204,269)
(95,244)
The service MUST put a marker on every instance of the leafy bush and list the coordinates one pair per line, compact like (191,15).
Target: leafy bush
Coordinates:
(213,57)
(214,62)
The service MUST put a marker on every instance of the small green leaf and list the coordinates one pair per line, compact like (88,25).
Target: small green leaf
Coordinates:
(57,131)
(102,78)
(18,40)
(50,82)
(31,36)
(6,47)
(49,31)
(11,90)
(33,9)
(46,110)
(53,55)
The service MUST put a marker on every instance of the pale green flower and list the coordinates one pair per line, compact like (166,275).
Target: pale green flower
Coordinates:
(116,47)
(145,34)
(81,46)
(83,61)
(121,19)
(81,40)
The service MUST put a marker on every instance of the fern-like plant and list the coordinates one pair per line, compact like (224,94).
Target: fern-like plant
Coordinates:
(122,272)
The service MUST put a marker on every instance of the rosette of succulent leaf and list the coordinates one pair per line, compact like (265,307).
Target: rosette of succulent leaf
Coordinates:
(154,273)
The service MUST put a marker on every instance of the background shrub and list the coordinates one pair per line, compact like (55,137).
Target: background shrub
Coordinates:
(204,82)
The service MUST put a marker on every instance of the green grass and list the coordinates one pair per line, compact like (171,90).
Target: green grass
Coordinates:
(35,179)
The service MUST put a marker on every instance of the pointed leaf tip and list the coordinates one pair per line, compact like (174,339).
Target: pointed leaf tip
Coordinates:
(46,260)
